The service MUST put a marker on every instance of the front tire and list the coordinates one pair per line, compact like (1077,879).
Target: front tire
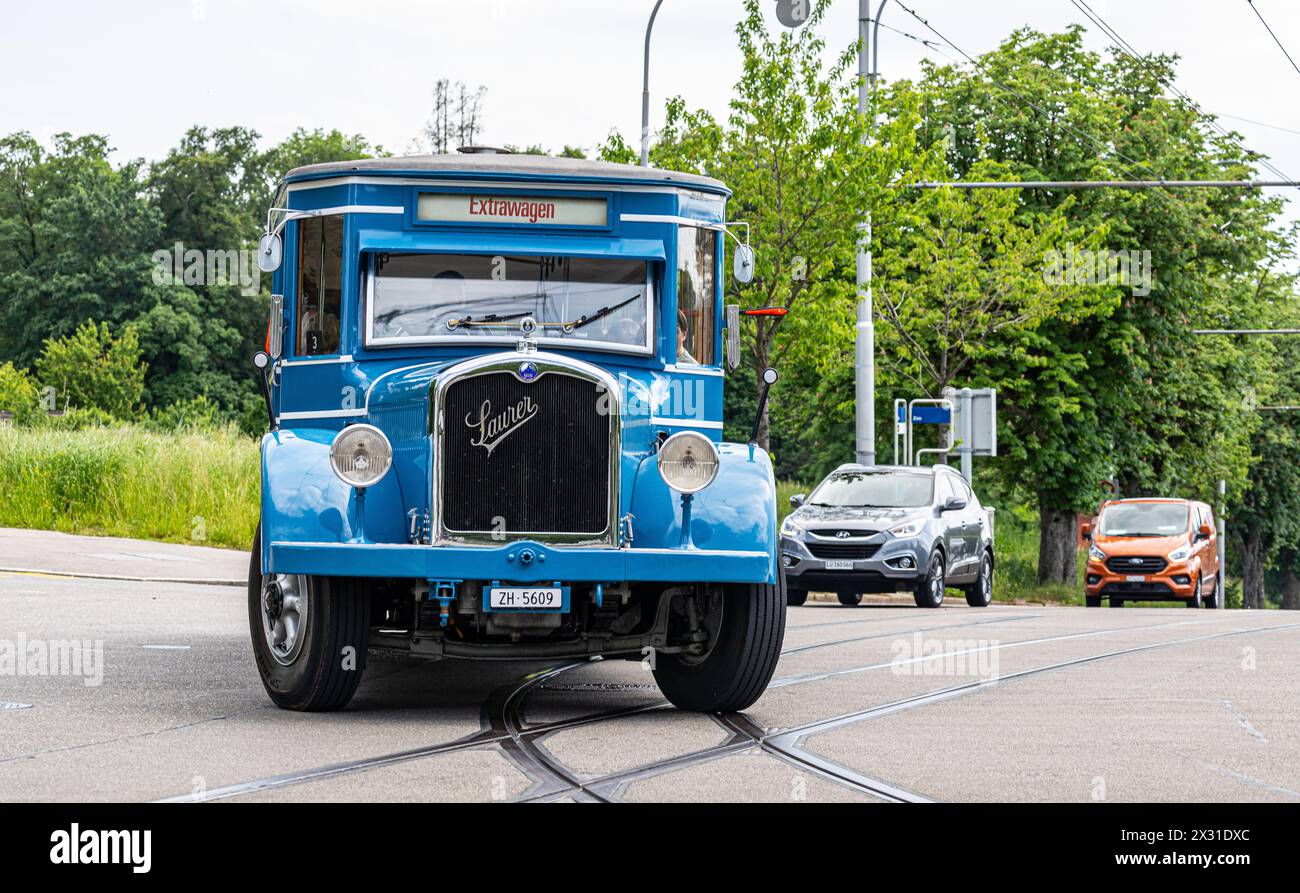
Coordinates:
(1092,601)
(929,592)
(981,593)
(310,636)
(743,656)
(796,597)
(849,599)
(1216,598)
(1197,600)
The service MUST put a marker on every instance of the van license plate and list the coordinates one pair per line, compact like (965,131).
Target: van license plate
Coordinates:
(1136,578)
(526,598)
(839,565)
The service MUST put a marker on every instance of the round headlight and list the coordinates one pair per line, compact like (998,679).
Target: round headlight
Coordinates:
(361,455)
(688,462)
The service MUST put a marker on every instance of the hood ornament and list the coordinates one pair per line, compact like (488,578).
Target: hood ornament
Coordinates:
(527,329)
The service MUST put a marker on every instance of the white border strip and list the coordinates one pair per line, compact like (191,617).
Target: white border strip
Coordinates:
(669,218)
(694,370)
(469,185)
(354,209)
(323,414)
(327,361)
(685,423)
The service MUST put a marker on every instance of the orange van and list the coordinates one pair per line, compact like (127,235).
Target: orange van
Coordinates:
(1153,550)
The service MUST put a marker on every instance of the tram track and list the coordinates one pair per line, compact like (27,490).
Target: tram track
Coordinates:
(504,728)
(787,745)
(502,725)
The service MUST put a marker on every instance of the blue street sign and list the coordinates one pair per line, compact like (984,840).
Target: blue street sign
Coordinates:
(931,415)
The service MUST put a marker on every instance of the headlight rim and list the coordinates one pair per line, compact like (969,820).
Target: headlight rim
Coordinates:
(713,449)
(334,449)
(915,524)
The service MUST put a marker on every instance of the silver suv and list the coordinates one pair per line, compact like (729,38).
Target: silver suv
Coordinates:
(873,528)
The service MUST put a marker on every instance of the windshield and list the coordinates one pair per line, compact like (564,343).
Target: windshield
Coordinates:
(874,489)
(1144,519)
(425,297)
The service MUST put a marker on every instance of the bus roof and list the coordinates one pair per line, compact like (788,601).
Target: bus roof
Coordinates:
(478,165)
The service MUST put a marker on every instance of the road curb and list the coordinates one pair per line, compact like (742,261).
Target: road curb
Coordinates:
(120,579)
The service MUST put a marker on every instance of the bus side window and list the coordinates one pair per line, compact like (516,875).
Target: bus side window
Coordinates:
(696,265)
(320,284)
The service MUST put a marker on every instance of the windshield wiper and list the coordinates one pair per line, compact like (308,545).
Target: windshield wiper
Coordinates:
(599,314)
(487,320)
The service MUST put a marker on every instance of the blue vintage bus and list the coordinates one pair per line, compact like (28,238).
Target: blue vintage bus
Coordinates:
(494,385)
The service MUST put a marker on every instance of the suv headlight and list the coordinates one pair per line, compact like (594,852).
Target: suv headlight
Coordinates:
(1181,554)
(361,455)
(1096,554)
(791,527)
(688,462)
(907,528)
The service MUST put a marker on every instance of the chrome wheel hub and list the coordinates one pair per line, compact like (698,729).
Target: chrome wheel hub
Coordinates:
(284,616)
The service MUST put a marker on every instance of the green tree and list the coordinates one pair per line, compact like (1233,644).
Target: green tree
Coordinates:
(17,393)
(91,369)
(75,239)
(792,150)
(1127,395)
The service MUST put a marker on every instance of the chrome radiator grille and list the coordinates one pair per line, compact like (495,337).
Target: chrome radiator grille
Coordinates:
(525,458)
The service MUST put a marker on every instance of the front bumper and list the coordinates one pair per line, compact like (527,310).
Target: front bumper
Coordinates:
(879,573)
(1177,581)
(521,562)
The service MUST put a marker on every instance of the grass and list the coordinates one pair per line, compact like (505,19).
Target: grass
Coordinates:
(184,487)
(202,488)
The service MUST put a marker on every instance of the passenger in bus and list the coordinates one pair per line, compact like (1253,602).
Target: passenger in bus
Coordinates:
(683,339)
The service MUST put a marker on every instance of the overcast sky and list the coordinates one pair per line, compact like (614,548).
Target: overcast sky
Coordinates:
(556,71)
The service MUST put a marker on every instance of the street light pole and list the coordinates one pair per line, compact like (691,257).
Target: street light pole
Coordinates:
(865,343)
(645,90)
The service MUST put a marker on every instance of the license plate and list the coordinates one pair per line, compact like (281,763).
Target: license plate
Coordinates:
(839,565)
(526,598)
(1136,578)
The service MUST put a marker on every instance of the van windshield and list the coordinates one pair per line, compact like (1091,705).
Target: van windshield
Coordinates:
(874,489)
(435,297)
(1145,519)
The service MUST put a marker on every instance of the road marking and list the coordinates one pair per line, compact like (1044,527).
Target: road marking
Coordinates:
(1244,723)
(13,705)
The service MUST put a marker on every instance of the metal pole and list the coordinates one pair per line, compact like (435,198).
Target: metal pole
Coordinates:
(966,432)
(865,343)
(1106,184)
(1223,545)
(645,90)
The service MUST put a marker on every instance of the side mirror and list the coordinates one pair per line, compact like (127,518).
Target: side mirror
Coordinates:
(1086,530)
(733,336)
(270,252)
(796,500)
(1205,532)
(954,504)
(743,264)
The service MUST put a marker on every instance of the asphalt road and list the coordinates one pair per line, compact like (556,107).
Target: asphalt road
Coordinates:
(875,703)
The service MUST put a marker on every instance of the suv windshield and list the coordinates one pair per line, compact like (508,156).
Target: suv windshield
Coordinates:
(1144,519)
(874,489)
(426,297)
